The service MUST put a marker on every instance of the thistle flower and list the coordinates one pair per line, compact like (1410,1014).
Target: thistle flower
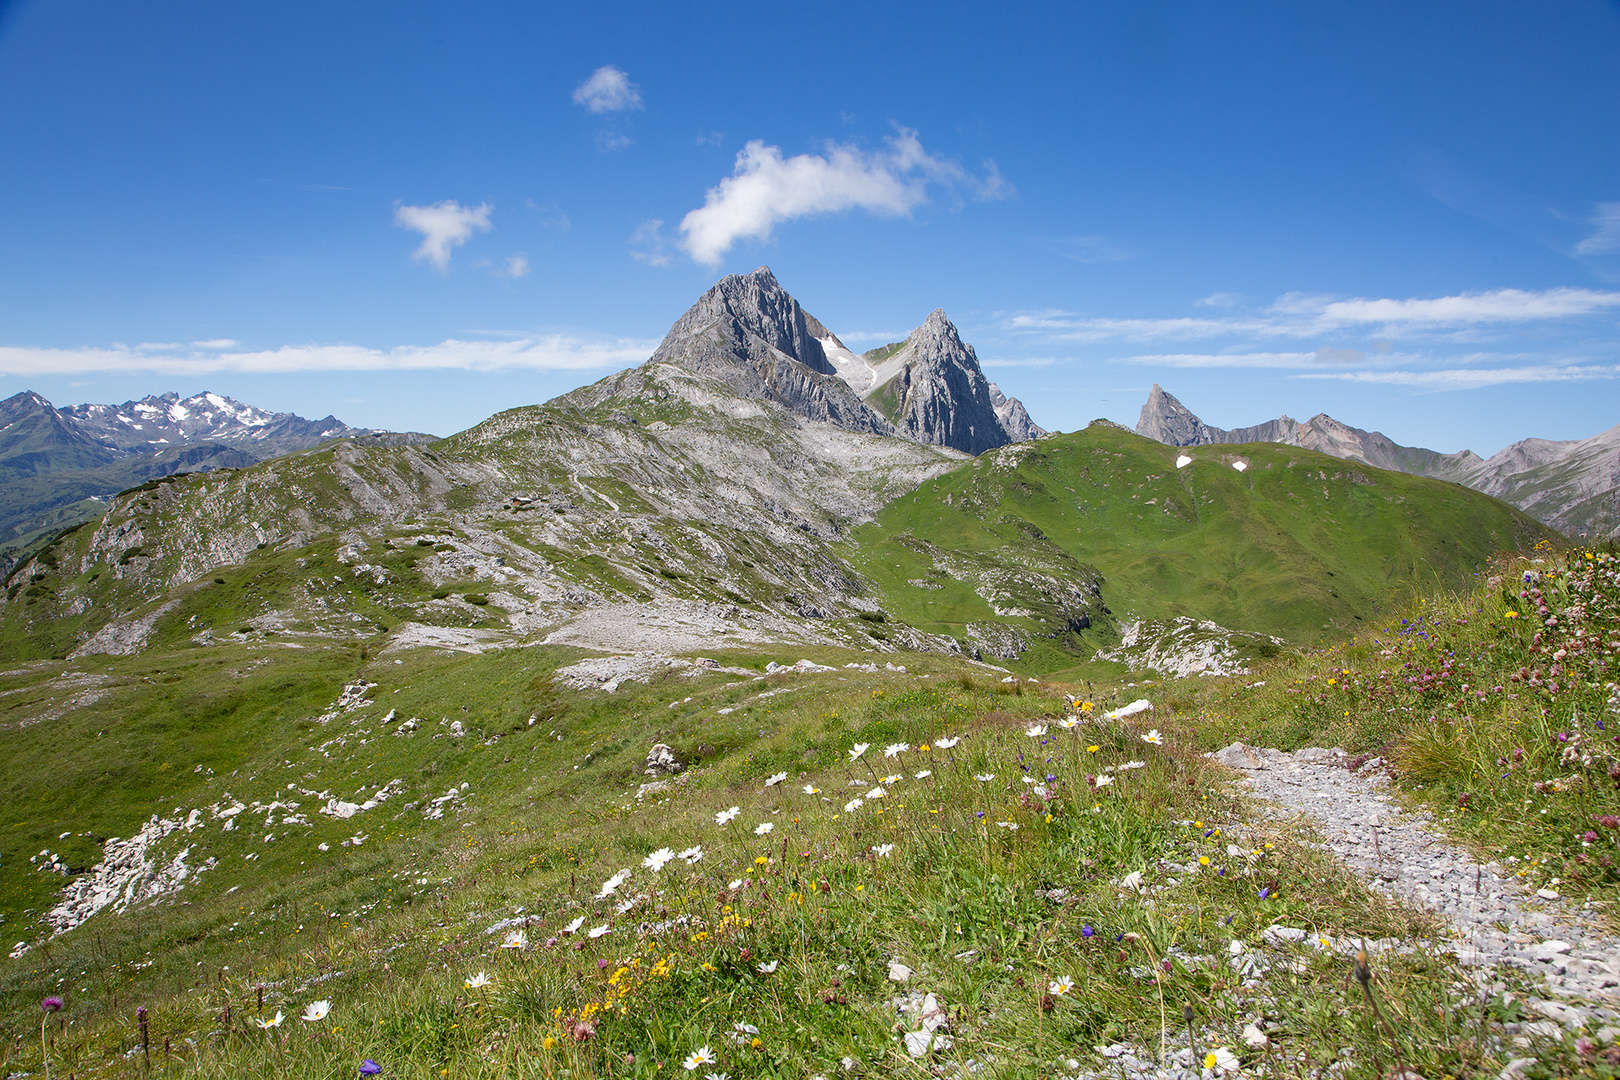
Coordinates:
(316,1011)
(51,1004)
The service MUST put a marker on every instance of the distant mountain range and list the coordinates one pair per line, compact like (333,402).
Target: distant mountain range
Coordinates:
(1572,486)
(57,465)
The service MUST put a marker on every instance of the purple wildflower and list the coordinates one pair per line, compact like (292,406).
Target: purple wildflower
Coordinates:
(1265,892)
(1086,931)
(51,1004)
(369,1068)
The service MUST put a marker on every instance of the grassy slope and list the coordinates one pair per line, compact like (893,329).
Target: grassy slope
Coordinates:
(390,931)
(1301,545)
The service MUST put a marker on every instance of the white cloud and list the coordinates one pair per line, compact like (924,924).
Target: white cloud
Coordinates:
(1474,378)
(608,90)
(1297,315)
(516,266)
(1227,360)
(1606,240)
(765,188)
(443,225)
(554,352)
(1031,362)
(1465,309)
(1221,299)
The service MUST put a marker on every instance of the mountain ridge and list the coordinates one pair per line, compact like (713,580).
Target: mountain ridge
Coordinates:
(1573,486)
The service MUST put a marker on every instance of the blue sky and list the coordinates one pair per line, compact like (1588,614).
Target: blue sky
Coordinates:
(413,215)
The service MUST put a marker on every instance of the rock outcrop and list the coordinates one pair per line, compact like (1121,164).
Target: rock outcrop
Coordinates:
(749,334)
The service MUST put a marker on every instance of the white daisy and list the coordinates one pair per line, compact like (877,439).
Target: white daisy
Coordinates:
(657,860)
(853,805)
(811,789)
(274,1021)
(1104,780)
(517,939)
(775,778)
(574,926)
(611,885)
(764,827)
(876,793)
(984,777)
(691,855)
(598,931)
(1035,731)
(946,744)
(698,1058)
(923,775)
(883,850)
(858,749)
(896,749)
(894,779)
(478,981)
(1153,737)
(316,1011)
(770,968)
(1060,986)
(726,815)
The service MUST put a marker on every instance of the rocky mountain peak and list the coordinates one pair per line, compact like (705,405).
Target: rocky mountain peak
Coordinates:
(1165,419)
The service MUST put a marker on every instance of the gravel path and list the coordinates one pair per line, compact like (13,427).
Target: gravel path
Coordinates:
(1495,919)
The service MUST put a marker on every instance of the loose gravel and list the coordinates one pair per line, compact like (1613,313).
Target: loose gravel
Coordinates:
(1495,918)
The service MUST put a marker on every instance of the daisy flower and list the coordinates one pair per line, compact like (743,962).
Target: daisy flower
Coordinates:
(611,885)
(1069,723)
(894,779)
(598,931)
(691,855)
(1222,1061)
(858,749)
(1132,765)
(573,927)
(1154,737)
(811,789)
(775,778)
(517,939)
(726,815)
(1035,731)
(770,968)
(883,850)
(1104,780)
(316,1011)
(853,805)
(478,981)
(984,777)
(274,1021)
(896,749)
(1010,826)
(698,1058)
(657,860)
(1060,986)
(946,744)
(923,775)
(764,827)
(876,793)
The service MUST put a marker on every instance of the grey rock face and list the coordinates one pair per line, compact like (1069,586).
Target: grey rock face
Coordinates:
(750,334)
(935,392)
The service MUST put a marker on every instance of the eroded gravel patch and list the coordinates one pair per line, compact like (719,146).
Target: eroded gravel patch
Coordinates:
(1495,919)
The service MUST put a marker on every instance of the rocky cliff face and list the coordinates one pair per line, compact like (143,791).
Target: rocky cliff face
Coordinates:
(750,335)
(1572,486)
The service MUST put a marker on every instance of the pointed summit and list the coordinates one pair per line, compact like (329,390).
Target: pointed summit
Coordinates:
(933,389)
(750,334)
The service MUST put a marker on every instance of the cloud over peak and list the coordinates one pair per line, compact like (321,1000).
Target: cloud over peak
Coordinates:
(608,90)
(443,226)
(766,188)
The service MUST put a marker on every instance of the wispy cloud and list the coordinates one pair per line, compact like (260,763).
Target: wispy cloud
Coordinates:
(1087,249)
(443,225)
(1028,361)
(516,265)
(1298,315)
(608,90)
(554,352)
(766,188)
(1606,240)
(647,243)
(1473,378)
(1246,360)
